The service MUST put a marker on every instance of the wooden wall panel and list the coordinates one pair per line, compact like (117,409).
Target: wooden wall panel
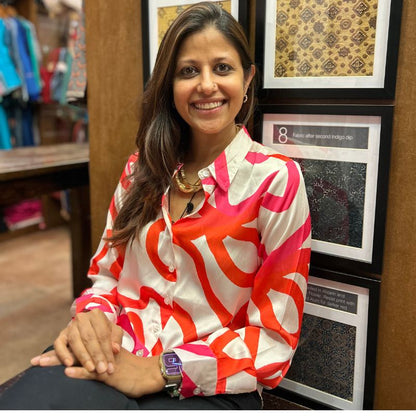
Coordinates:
(114,70)
(396,363)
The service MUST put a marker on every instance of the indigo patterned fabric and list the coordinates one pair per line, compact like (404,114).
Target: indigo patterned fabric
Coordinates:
(325,357)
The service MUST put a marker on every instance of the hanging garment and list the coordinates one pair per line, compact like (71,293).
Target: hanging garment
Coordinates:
(33,89)
(5,142)
(78,80)
(9,77)
(13,45)
(27,125)
(33,49)
(60,77)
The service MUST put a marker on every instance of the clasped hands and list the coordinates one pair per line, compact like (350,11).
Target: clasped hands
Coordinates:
(90,348)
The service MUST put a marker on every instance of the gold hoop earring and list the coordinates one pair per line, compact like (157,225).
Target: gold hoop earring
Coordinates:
(245,98)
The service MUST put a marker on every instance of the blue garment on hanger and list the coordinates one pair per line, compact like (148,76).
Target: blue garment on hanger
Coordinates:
(5,141)
(13,46)
(27,126)
(59,81)
(10,78)
(33,89)
(33,48)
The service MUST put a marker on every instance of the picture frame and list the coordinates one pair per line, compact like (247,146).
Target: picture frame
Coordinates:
(334,365)
(344,154)
(158,14)
(328,50)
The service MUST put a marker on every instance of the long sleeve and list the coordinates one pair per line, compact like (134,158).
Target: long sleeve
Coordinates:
(107,262)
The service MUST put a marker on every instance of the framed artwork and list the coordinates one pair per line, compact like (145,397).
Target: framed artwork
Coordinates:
(334,365)
(327,49)
(344,154)
(157,15)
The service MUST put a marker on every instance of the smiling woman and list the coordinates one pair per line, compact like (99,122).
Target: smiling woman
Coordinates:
(200,278)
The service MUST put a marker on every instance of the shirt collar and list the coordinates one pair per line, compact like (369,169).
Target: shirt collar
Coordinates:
(225,166)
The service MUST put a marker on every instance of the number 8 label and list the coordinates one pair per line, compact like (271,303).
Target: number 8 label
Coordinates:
(283,135)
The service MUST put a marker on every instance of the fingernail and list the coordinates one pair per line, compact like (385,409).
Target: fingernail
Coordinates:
(67,362)
(35,360)
(89,365)
(110,368)
(101,368)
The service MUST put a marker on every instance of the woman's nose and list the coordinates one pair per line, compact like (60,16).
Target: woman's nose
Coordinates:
(207,83)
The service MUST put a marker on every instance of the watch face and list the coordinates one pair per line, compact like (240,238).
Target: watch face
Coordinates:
(172,363)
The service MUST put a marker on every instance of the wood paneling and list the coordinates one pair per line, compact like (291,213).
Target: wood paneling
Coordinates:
(114,70)
(396,364)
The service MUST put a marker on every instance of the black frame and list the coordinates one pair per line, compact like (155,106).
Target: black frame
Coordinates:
(242,18)
(331,261)
(373,286)
(386,92)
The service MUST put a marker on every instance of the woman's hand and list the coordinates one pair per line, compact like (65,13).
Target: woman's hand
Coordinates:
(90,340)
(134,376)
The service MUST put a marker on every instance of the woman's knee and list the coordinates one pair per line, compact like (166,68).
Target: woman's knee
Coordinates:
(49,388)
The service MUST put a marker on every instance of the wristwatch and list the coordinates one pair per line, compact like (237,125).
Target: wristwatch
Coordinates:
(171,370)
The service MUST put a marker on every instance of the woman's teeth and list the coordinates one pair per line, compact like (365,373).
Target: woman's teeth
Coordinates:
(208,106)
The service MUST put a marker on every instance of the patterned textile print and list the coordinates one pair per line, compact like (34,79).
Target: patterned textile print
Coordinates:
(316,38)
(166,15)
(325,357)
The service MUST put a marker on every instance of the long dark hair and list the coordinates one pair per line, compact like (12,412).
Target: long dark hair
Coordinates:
(163,136)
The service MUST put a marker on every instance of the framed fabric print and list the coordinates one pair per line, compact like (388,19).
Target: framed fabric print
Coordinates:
(328,49)
(343,152)
(334,365)
(157,15)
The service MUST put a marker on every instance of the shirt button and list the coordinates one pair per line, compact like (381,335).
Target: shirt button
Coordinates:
(140,353)
(197,391)
(171,268)
(168,301)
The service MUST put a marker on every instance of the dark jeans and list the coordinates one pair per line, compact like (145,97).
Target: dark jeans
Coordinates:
(48,388)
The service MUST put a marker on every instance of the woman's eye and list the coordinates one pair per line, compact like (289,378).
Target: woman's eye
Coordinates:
(188,71)
(222,68)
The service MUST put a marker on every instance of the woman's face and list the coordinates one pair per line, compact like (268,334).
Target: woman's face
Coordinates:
(209,84)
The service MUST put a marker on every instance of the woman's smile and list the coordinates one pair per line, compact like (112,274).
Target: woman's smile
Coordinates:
(213,105)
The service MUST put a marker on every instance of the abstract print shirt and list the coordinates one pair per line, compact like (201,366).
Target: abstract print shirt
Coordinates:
(224,286)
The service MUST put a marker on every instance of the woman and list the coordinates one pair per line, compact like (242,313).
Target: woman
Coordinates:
(199,280)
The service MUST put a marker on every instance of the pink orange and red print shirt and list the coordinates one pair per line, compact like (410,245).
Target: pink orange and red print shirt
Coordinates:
(224,286)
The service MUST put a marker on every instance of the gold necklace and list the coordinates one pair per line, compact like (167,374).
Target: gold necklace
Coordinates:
(183,185)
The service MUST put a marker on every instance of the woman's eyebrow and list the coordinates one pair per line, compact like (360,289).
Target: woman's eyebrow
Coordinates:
(191,61)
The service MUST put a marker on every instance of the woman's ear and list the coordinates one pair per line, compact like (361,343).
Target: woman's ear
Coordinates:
(249,77)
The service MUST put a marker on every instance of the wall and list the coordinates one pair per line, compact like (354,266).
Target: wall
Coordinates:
(115,82)
(113,36)
(396,364)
